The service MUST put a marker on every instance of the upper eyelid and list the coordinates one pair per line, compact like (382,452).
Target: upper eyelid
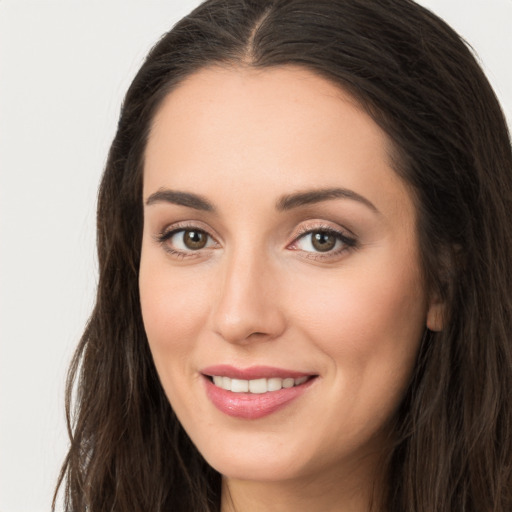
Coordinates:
(340,234)
(162,238)
(321,225)
(187,225)
(305,227)
(347,236)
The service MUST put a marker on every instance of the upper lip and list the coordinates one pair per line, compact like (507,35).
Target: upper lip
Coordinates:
(253,372)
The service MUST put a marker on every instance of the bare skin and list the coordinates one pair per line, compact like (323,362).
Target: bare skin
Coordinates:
(277,234)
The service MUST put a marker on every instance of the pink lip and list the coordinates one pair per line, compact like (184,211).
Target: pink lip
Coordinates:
(251,405)
(254,372)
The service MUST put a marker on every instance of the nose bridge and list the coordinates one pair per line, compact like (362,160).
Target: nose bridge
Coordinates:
(246,305)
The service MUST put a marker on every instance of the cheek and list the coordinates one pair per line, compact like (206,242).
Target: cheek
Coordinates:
(174,306)
(370,330)
(368,322)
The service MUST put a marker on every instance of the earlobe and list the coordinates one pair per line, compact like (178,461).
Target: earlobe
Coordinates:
(449,258)
(436,316)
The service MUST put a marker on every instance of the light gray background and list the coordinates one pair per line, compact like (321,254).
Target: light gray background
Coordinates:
(64,67)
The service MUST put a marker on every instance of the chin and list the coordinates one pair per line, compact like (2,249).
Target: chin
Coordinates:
(270,470)
(255,460)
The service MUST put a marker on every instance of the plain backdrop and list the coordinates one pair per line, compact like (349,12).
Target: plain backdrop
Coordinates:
(64,67)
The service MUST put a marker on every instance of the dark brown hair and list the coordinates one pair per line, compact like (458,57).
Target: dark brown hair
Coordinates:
(419,81)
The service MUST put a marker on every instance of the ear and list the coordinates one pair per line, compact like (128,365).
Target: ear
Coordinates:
(436,315)
(449,259)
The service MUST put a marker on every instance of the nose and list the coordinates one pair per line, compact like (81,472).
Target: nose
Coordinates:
(247,307)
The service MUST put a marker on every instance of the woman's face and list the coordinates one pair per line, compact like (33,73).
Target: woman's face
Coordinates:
(279,250)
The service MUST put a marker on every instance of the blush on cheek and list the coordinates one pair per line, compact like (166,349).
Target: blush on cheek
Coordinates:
(163,298)
(168,324)
(369,318)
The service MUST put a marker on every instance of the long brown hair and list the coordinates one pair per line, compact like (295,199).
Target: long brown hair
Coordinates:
(419,81)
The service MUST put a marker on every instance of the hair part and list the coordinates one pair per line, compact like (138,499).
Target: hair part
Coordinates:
(420,83)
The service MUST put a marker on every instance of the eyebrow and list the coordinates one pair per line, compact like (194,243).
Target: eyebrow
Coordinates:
(308,197)
(180,198)
(287,202)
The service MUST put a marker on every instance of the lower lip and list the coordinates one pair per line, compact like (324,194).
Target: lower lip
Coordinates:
(252,406)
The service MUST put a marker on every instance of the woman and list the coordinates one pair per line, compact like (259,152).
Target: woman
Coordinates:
(305,291)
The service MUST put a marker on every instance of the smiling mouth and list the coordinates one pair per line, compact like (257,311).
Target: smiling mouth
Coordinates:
(257,386)
(256,392)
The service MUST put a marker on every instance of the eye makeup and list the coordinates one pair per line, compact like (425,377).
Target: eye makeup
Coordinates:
(317,240)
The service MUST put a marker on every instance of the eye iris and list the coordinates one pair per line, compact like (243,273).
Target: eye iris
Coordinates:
(323,241)
(194,239)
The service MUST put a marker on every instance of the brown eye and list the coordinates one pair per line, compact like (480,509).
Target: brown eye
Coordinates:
(323,241)
(194,239)
(185,241)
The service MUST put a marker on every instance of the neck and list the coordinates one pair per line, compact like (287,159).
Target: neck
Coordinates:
(358,490)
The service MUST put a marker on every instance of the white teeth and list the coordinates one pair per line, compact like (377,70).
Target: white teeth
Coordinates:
(239,386)
(288,383)
(256,386)
(274,384)
(226,383)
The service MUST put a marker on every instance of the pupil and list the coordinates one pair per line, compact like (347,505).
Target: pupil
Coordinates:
(194,239)
(323,241)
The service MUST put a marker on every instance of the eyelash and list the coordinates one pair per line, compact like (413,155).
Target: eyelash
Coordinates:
(163,237)
(349,243)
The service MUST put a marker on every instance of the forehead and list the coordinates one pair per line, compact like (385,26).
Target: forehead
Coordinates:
(270,105)
(267,129)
